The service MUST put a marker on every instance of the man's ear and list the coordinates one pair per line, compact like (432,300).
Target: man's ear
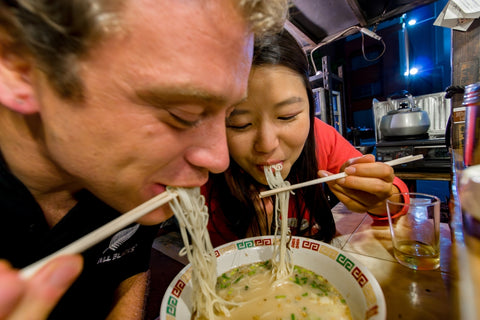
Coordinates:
(16,89)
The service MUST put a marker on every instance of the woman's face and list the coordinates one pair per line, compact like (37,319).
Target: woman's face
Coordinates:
(272,125)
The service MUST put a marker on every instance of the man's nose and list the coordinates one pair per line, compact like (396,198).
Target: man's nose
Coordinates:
(210,150)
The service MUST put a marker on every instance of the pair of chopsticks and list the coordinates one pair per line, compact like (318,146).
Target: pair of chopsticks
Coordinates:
(103,232)
(131,216)
(391,163)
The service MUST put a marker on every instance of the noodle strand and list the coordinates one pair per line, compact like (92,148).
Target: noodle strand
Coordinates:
(192,214)
(281,260)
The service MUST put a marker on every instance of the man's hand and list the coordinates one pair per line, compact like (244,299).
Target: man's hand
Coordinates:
(35,298)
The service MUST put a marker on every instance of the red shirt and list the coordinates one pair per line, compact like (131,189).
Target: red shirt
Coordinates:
(333,150)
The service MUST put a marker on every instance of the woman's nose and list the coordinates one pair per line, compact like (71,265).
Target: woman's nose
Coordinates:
(266,140)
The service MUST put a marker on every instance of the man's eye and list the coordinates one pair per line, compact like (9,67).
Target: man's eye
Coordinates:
(184,121)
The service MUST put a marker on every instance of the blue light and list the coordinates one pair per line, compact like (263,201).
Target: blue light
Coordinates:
(411,22)
(411,72)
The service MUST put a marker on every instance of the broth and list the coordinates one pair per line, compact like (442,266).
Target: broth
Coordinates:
(303,295)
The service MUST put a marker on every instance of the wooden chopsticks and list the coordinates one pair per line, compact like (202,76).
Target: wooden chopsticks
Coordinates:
(333,177)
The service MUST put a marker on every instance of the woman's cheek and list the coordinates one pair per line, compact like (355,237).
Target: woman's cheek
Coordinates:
(238,143)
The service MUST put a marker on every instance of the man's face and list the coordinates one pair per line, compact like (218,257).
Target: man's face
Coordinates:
(156,98)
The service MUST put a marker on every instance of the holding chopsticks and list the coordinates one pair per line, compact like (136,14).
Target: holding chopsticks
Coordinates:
(334,177)
(103,232)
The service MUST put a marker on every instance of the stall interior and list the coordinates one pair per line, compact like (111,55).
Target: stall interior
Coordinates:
(430,142)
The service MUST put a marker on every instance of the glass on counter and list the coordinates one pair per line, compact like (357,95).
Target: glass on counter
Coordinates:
(415,229)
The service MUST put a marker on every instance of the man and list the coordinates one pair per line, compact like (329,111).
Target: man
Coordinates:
(102,105)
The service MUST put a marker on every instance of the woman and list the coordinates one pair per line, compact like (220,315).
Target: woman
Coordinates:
(277,124)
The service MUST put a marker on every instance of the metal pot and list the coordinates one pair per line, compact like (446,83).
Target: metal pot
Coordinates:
(405,121)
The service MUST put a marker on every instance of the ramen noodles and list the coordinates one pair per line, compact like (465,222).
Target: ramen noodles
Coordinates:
(192,214)
(303,295)
(282,261)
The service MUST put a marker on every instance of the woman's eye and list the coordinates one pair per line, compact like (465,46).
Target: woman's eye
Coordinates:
(290,117)
(238,126)
(237,122)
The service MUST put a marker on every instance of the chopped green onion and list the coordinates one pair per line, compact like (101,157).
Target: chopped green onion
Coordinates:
(297,280)
(238,279)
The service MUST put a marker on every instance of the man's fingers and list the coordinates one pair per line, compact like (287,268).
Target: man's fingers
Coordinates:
(11,288)
(46,288)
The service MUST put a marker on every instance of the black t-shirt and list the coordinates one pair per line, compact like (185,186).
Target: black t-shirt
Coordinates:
(25,238)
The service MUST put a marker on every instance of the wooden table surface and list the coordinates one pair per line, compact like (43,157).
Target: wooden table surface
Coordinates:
(410,294)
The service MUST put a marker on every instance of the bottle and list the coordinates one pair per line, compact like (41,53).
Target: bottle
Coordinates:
(471,102)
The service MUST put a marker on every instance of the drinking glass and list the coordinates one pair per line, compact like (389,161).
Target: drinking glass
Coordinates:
(415,230)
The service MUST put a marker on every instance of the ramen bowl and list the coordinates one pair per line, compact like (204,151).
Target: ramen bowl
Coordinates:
(354,281)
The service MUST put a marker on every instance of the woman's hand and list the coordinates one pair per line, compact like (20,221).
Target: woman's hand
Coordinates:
(35,298)
(367,186)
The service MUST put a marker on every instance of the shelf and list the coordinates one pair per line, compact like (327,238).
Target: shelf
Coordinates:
(319,77)
(330,100)
(316,77)
(438,176)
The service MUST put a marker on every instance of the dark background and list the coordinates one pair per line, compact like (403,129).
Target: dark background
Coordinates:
(429,49)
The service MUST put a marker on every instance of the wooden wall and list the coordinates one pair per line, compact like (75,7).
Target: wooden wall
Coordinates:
(465,71)
(466,55)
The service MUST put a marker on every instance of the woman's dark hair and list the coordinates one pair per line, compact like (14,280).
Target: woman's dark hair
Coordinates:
(237,192)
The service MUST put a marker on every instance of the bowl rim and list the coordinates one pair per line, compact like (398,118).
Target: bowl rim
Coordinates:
(370,287)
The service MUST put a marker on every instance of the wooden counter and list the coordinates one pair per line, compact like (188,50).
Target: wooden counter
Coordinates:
(409,294)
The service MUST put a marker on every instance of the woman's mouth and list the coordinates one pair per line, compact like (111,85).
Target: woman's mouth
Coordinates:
(275,165)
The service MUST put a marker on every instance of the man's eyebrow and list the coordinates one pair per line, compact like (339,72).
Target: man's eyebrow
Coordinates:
(161,96)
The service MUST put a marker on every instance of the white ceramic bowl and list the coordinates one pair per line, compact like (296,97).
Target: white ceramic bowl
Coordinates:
(354,281)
